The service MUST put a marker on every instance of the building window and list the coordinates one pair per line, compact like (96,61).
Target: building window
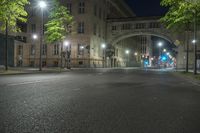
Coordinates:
(20,50)
(126,27)
(80,49)
(95,10)
(114,27)
(154,25)
(99,31)
(22,27)
(32,12)
(55,63)
(32,63)
(104,15)
(100,13)
(81,8)
(32,50)
(44,49)
(56,49)
(95,29)
(33,28)
(69,7)
(81,27)
(44,63)
(140,26)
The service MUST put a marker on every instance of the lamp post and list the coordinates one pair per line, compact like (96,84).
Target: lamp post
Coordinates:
(160,44)
(127,53)
(34,37)
(195,35)
(42,5)
(68,53)
(103,46)
(195,43)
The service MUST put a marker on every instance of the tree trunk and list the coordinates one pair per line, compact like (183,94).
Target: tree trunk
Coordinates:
(187,50)
(61,59)
(195,43)
(6,47)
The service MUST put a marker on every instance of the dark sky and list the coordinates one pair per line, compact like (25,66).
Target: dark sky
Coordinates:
(147,7)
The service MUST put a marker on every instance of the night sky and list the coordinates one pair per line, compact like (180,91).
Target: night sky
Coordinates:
(146,7)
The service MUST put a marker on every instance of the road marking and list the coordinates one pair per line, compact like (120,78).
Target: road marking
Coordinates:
(25,83)
(33,82)
(77,89)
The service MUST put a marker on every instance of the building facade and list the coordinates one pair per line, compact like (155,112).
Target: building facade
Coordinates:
(87,36)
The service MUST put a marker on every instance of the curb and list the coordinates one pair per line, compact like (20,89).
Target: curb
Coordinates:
(35,72)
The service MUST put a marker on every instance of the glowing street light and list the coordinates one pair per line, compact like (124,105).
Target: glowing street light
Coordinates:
(66,43)
(160,44)
(82,47)
(135,53)
(127,51)
(42,4)
(168,53)
(103,45)
(194,41)
(35,36)
(164,50)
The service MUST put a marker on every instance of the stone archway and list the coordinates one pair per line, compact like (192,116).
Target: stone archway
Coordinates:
(166,36)
(122,36)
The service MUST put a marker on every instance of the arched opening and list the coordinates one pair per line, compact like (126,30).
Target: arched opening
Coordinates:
(143,50)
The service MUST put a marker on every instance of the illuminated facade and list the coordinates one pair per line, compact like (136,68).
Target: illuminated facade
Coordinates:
(88,33)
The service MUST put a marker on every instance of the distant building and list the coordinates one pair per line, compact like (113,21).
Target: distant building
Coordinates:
(88,33)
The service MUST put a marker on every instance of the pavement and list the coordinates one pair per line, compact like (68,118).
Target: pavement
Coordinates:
(27,70)
(126,101)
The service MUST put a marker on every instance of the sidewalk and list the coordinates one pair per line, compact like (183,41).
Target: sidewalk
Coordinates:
(15,71)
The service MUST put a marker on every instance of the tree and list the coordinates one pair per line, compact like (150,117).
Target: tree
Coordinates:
(181,16)
(58,25)
(11,11)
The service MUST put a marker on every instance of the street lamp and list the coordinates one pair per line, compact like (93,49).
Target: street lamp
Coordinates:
(103,46)
(135,53)
(42,5)
(68,53)
(194,41)
(160,44)
(35,36)
(195,33)
(164,50)
(82,47)
(127,53)
(66,43)
(168,53)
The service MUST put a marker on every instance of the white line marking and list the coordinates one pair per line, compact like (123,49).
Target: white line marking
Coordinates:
(25,83)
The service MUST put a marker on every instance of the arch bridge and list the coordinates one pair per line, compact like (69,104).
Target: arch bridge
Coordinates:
(122,28)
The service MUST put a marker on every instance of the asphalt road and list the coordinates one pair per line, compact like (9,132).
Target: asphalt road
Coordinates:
(99,102)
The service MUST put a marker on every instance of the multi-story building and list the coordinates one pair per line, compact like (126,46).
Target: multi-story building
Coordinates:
(88,33)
